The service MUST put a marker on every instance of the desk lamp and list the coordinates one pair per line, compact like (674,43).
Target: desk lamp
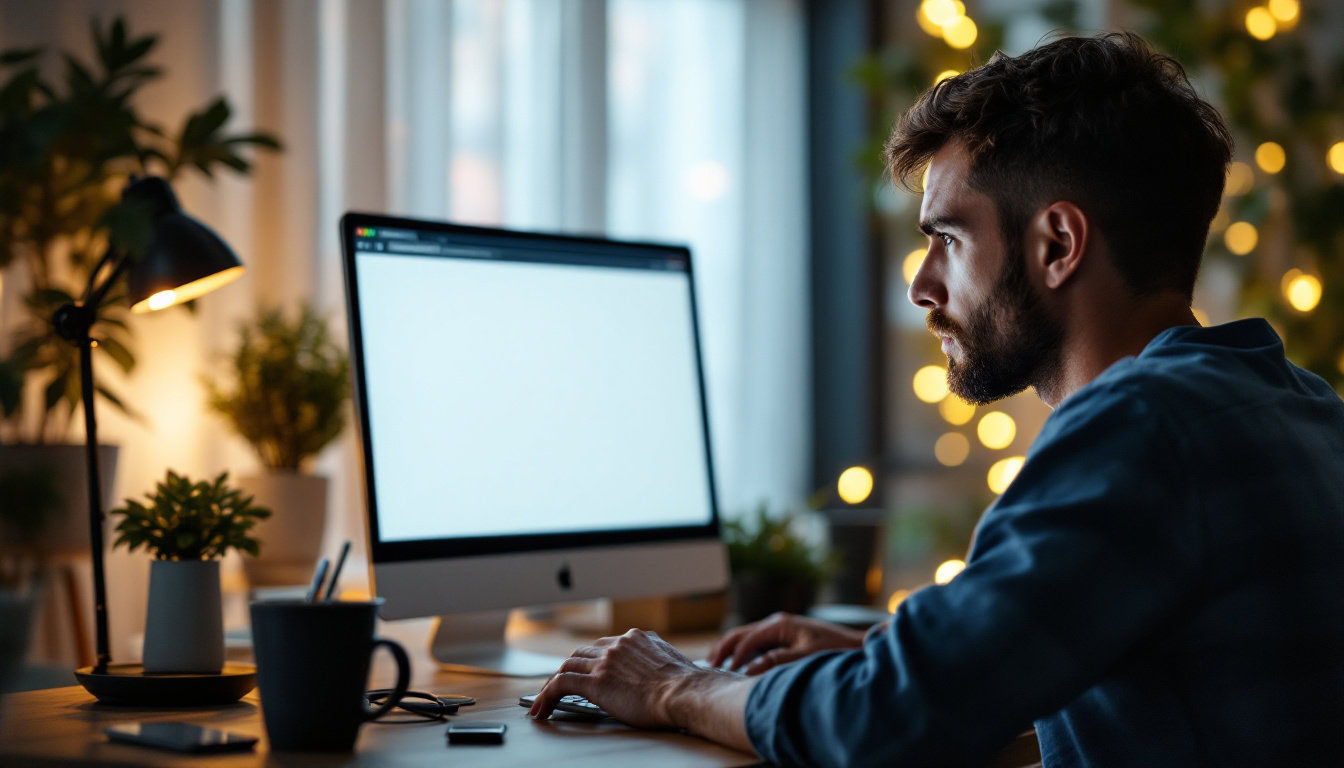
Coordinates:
(183,259)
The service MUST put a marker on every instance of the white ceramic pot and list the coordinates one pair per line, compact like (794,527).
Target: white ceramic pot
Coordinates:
(291,538)
(67,531)
(184,626)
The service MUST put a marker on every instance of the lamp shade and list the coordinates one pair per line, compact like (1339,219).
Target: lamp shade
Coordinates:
(184,258)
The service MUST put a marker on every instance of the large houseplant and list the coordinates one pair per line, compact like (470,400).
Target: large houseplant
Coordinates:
(188,526)
(287,396)
(67,148)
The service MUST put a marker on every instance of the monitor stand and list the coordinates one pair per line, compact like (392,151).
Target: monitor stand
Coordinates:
(474,643)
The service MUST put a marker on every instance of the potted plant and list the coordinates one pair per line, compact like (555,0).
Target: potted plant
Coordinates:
(287,396)
(27,497)
(66,150)
(188,526)
(774,569)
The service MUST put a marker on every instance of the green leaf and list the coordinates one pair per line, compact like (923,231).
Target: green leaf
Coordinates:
(118,352)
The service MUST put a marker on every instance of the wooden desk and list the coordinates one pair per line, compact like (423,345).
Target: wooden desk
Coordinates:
(64,726)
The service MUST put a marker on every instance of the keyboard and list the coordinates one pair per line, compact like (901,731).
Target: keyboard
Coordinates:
(573,704)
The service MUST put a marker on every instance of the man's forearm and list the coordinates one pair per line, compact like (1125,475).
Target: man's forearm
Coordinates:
(713,705)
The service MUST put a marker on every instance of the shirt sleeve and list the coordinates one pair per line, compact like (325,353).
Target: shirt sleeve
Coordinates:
(1082,557)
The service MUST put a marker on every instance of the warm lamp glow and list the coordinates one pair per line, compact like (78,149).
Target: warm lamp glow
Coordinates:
(948,571)
(945,74)
(931,383)
(943,12)
(855,485)
(913,260)
(1241,237)
(1270,157)
(1240,179)
(1303,291)
(1001,474)
(926,24)
(1260,23)
(192,290)
(1284,10)
(961,33)
(1335,157)
(872,581)
(896,599)
(996,430)
(952,449)
(955,410)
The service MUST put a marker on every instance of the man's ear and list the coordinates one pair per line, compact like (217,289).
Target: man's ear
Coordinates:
(1060,234)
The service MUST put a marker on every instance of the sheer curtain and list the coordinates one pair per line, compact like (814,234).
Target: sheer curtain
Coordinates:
(668,120)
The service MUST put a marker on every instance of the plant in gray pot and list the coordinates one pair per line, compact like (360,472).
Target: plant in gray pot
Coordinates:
(774,569)
(27,497)
(287,396)
(187,526)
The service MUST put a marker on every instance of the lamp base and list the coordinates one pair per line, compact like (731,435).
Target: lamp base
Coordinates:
(127,685)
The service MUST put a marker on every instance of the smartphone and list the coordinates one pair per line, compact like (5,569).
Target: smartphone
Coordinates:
(180,737)
(477,732)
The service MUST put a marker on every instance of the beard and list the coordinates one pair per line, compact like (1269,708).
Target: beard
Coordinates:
(1010,342)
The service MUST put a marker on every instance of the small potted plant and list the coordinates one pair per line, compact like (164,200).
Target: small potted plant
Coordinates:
(287,398)
(774,569)
(187,526)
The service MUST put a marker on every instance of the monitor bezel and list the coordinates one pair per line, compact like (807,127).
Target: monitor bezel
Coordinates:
(432,549)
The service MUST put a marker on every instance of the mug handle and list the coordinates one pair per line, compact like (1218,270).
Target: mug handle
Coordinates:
(403,679)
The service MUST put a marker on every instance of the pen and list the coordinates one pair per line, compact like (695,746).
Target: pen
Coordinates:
(336,574)
(318,576)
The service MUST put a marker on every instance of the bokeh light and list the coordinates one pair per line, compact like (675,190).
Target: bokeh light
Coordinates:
(1240,179)
(1270,157)
(855,485)
(948,571)
(910,267)
(1302,290)
(943,12)
(1241,237)
(952,449)
(961,33)
(1335,157)
(1284,10)
(996,430)
(896,599)
(1200,316)
(1260,23)
(955,410)
(931,383)
(1002,473)
(927,24)
(945,74)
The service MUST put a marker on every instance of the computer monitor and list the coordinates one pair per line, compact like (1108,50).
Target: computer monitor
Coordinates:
(533,420)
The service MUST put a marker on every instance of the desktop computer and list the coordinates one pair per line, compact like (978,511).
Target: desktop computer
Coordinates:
(532,414)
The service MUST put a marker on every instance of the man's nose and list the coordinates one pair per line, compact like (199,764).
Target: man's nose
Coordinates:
(926,290)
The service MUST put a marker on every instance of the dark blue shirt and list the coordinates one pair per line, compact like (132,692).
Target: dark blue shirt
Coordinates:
(1162,584)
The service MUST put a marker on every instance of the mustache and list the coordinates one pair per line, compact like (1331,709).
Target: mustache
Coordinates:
(942,325)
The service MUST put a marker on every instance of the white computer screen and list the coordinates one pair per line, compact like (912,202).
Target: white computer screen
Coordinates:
(516,397)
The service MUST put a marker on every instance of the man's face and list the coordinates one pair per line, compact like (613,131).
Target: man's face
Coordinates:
(998,334)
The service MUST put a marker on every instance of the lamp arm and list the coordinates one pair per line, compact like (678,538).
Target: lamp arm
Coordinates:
(74,322)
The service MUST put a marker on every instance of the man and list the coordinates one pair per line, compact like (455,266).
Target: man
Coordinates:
(1163,583)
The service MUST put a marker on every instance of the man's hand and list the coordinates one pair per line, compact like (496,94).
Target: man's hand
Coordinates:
(779,639)
(643,681)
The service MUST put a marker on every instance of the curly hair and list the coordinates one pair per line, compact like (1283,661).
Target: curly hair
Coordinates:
(1105,122)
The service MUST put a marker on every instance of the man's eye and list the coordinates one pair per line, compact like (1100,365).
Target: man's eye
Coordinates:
(947,239)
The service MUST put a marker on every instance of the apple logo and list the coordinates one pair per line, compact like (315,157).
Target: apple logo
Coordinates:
(562,577)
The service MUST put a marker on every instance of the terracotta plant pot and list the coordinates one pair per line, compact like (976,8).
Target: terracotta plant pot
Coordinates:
(184,626)
(291,538)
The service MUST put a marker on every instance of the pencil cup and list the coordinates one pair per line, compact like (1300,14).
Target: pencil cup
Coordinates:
(313,669)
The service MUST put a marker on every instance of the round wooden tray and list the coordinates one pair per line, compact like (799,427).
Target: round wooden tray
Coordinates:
(127,685)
